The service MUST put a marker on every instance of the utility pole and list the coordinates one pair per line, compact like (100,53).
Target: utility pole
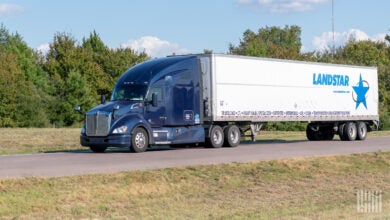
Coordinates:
(333,46)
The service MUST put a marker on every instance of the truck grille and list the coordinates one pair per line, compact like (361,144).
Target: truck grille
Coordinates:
(98,124)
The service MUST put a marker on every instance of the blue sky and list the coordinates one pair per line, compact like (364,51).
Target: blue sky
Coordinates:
(161,27)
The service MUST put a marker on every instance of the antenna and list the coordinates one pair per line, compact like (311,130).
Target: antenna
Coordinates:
(333,46)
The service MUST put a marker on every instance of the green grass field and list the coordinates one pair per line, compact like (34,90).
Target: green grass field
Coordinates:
(310,188)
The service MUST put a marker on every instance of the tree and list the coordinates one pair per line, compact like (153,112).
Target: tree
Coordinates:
(23,98)
(271,42)
(76,92)
(80,73)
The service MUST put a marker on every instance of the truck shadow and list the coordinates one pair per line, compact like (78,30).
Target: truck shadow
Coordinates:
(156,148)
(271,141)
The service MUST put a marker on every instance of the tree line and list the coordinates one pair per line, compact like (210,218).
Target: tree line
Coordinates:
(40,90)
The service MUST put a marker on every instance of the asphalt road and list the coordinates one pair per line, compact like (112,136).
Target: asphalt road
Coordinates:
(86,162)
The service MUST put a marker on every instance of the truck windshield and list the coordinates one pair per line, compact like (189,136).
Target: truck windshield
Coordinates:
(126,92)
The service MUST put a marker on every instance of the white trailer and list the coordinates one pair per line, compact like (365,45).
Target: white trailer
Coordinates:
(214,98)
(333,99)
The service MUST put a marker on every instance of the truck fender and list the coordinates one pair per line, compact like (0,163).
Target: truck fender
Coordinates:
(132,122)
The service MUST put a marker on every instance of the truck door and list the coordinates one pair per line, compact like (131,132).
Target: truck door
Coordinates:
(184,104)
(156,115)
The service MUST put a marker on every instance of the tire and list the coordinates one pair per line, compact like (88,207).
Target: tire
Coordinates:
(232,136)
(216,137)
(139,140)
(341,132)
(361,131)
(311,134)
(327,133)
(96,149)
(350,131)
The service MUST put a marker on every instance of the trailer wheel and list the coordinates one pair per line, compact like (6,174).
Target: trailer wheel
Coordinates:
(361,131)
(216,137)
(139,140)
(341,132)
(350,131)
(312,134)
(232,136)
(96,149)
(327,132)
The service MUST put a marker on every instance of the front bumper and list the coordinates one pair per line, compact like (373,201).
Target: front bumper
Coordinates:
(122,140)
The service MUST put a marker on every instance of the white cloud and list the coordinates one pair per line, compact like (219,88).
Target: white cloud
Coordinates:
(284,6)
(325,41)
(155,47)
(43,49)
(10,9)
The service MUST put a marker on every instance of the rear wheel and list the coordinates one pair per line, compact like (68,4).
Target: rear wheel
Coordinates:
(361,131)
(350,131)
(341,132)
(216,137)
(232,136)
(327,132)
(96,149)
(139,140)
(319,132)
(312,133)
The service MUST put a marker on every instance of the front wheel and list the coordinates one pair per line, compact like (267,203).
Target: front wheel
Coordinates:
(139,140)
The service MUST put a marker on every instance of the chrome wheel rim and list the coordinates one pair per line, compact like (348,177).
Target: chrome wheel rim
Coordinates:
(140,140)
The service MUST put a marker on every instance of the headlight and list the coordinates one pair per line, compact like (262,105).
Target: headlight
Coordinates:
(83,130)
(120,130)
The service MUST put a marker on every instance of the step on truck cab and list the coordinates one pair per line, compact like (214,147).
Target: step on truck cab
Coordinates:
(214,99)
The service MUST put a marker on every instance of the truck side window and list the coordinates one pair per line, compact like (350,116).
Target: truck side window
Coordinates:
(158,91)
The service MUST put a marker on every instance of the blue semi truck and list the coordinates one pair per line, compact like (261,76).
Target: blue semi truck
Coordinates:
(214,99)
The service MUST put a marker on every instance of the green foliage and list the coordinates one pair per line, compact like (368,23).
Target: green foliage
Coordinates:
(23,99)
(273,42)
(80,73)
(40,90)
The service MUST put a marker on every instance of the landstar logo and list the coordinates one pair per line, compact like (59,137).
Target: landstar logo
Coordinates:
(360,91)
(325,79)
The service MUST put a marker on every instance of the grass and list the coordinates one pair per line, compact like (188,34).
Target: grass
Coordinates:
(40,140)
(303,188)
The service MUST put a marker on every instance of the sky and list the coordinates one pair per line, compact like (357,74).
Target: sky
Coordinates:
(163,27)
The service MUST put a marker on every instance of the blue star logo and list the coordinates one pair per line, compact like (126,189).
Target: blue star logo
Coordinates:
(361,90)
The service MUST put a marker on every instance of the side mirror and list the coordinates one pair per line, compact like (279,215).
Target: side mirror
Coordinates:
(103,99)
(154,100)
